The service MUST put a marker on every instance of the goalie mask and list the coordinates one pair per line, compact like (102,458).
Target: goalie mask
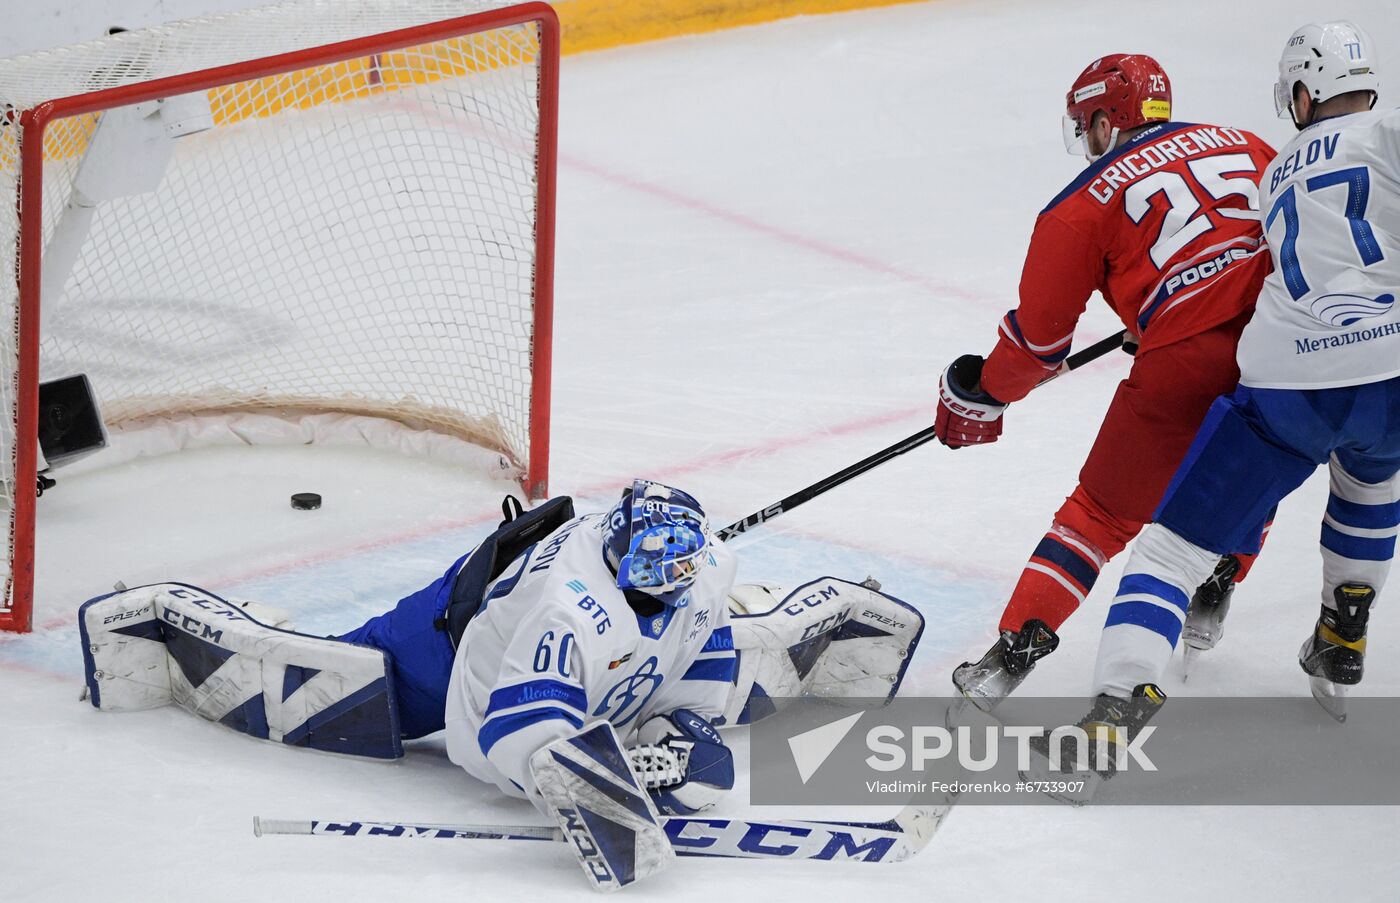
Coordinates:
(655,541)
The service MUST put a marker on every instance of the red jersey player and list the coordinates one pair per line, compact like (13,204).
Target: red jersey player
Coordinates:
(1164,223)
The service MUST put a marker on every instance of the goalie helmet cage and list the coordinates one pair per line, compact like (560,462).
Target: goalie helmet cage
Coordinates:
(321,206)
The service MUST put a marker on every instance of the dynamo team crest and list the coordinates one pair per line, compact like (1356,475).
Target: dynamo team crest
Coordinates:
(628,696)
(1344,310)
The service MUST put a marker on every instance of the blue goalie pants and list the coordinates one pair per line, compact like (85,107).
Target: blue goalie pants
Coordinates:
(421,652)
(421,631)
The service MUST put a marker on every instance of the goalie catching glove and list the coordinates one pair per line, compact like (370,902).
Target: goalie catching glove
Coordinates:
(683,762)
(966,415)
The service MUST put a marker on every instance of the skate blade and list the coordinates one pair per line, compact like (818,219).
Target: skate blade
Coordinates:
(1189,655)
(1332,697)
(966,710)
(1089,784)
(971,699)
(956,713)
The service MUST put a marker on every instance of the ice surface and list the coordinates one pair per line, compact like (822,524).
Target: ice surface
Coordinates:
(770,241)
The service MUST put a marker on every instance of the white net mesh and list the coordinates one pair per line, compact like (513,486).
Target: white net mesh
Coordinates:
(357,237)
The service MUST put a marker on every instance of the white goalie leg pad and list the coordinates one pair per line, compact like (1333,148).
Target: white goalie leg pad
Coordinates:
(265,614)
(170,642)
(606,814)
(828,637)
(124,657)
(871,650)
(765,626)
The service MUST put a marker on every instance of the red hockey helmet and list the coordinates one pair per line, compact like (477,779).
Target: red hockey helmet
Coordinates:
(1131,89)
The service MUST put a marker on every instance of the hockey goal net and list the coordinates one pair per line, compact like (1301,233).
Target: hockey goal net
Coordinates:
(323,206)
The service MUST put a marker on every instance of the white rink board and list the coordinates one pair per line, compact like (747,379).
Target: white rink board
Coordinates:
(808,220)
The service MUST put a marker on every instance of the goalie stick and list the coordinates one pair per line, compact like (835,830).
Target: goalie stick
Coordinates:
(894,840)
(1073,362)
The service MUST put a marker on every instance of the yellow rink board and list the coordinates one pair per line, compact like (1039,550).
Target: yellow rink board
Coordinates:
(586,25)
(600,24)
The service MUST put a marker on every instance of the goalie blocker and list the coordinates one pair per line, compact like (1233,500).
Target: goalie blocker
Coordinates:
(602,808)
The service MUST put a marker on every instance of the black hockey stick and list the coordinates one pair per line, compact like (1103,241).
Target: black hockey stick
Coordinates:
(1073,362)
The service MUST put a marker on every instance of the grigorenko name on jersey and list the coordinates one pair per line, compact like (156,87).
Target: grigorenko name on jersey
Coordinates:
(1177,146)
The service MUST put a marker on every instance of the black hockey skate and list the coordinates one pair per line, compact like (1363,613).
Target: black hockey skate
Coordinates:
(1074,775)
(995,675)
(1335,654)
(1205,616)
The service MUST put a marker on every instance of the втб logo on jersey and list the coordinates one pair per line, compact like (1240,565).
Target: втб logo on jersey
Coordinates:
(629,695)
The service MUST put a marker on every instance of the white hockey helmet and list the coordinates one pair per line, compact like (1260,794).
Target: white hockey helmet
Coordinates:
(1329,59)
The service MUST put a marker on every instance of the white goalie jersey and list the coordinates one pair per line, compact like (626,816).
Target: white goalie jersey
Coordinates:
(1327,315)
(555,645)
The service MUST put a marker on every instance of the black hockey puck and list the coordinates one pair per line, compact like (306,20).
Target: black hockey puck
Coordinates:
(306,501)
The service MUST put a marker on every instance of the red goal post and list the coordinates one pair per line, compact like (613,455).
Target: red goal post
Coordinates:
(362,227)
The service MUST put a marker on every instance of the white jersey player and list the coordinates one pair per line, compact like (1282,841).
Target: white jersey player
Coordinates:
(623,617)
(1320,383)
(1327,314)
